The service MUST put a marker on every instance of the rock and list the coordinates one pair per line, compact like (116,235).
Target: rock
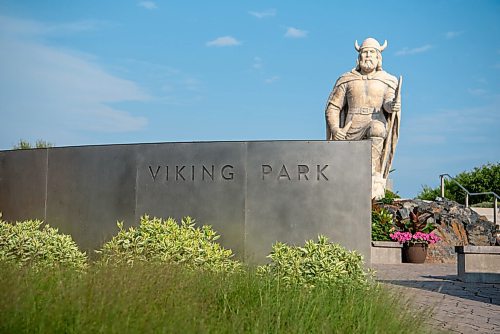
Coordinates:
(404,213)
(455,224)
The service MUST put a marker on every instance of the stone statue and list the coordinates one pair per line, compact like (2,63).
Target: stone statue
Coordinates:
(365,103)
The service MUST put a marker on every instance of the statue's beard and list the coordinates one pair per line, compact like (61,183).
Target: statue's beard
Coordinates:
(367,65)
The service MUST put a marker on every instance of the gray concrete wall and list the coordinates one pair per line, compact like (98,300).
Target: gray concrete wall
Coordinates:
(252,193)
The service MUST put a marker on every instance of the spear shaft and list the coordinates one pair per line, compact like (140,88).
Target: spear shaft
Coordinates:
(397,99)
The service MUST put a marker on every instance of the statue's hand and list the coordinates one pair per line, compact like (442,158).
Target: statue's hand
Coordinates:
(339,134)
(395,106)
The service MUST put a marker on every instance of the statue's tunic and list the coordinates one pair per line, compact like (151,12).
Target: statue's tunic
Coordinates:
(360,99)
(361,105)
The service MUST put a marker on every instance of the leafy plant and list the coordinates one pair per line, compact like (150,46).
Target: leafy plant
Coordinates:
(382,224)
(25,244)
(430,194)
(389,197)
(417,222)
(159,240)
(25,145)
(317,263)
(480,179)
(417,228)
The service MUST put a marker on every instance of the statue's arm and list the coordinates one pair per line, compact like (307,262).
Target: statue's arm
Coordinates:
(334,106)
(390,105)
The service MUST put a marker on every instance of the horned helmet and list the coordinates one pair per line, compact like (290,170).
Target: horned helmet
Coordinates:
(371,43)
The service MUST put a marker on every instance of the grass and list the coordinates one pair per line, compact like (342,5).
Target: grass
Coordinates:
(168,299)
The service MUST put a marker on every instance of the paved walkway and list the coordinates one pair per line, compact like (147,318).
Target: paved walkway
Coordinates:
(456,306)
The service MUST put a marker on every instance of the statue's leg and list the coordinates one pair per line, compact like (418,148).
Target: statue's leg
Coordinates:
(377,134)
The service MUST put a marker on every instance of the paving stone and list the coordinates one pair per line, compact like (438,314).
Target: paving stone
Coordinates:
(457,307)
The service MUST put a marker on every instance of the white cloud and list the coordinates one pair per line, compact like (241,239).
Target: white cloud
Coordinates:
(453,34)
(295,33)
(272,79)
(257,63)
(192,84)
(106,119)
(148,5)
(263,14)
(45,88)
(170,85)
(224,41)
(477,91)
(408,51)
(19,27)
(462,125)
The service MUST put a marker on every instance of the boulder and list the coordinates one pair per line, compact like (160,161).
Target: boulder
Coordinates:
(455,224)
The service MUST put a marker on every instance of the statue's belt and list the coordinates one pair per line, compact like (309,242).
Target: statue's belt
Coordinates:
(363,110)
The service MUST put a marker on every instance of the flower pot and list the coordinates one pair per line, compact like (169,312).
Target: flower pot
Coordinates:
(415,253)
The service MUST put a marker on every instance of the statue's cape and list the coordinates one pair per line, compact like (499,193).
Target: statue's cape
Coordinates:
(382,76)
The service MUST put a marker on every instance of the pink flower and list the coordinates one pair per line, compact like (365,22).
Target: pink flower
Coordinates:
(418,237)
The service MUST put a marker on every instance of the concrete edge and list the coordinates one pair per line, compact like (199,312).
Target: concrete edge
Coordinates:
(387,244)
(477,249)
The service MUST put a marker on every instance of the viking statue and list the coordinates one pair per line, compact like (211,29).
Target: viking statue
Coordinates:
(365,104)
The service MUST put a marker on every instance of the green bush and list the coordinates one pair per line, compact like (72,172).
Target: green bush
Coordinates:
(26,145)
(382,224)
(430,194)
(317,263)
(25,244)
(158,240)
(389,197)
(480,179)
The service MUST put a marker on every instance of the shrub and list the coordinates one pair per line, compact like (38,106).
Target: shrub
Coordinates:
(25,244)
(26,145)
(416,222)
(430,194)
(389,197)
(382,224)
(158,240)
(317,263)
(480,179)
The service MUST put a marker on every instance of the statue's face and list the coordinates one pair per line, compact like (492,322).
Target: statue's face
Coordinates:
(368,59)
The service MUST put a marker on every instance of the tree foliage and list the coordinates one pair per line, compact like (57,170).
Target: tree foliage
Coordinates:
(480,179)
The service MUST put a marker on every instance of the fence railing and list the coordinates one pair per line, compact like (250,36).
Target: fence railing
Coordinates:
(468,193)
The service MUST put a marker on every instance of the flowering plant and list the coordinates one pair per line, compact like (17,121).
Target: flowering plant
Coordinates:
(416,229)
(415,238)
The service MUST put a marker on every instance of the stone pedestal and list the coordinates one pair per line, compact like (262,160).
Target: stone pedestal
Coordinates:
(386,252)
(478,263)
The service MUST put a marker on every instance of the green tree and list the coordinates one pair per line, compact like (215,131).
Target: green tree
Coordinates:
(480,179)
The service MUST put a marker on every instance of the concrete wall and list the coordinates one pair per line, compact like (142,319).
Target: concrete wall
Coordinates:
(252,193)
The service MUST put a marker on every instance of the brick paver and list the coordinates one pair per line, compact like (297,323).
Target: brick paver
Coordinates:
(455,306)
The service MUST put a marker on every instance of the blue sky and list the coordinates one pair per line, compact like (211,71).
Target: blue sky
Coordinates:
(105,72)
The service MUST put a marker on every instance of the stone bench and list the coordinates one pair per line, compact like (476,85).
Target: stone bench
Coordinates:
(479,264)
(386,252)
